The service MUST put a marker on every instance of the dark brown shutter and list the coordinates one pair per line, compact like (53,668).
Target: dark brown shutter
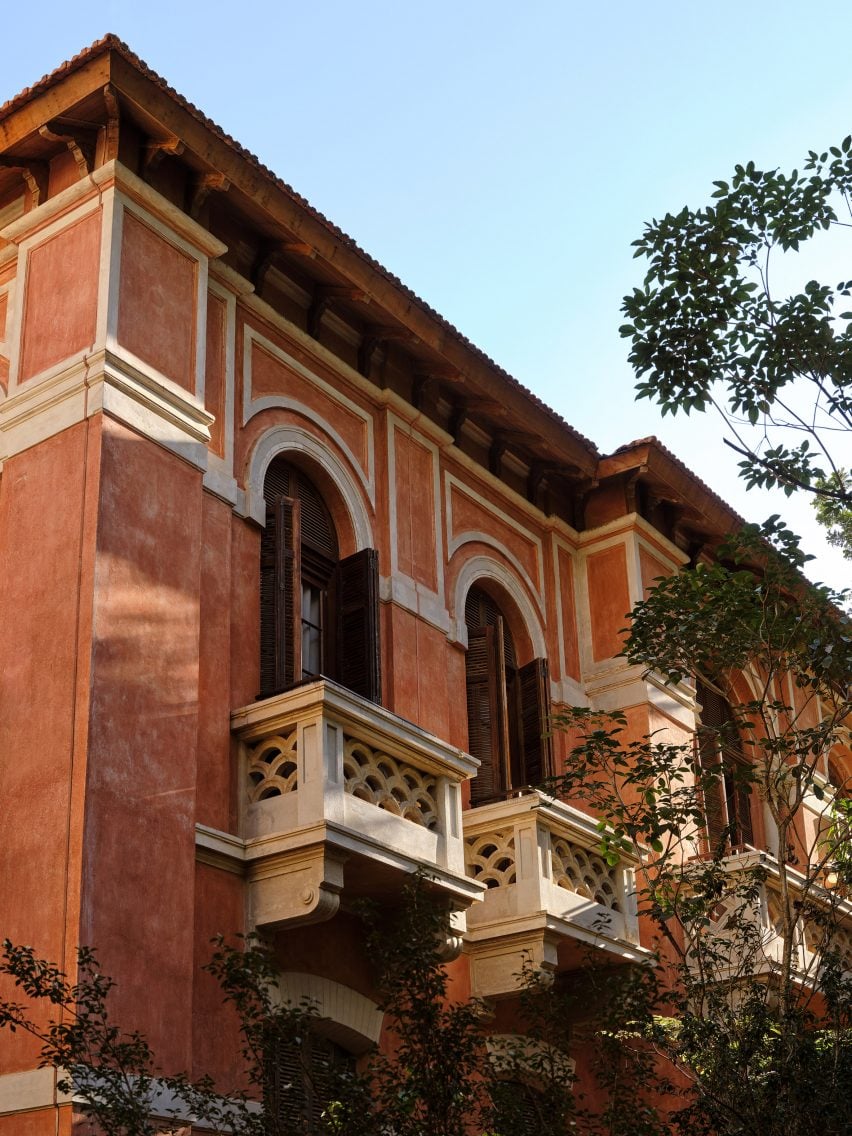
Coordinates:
(534,712)
(729,802)
(280,597)
(713,717)
(744,817)
(486,711)
(357,644)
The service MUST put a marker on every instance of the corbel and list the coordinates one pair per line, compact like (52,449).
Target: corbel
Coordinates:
(266,254)
(458,417)
(421,384)
(113,115)
(35,173)
(80,141)
(324,295)
(370,344)
(497,452)
(376,337)
(695,550)
(203,186)
(579,500)
(157,149)
(540,470)
(631,488)
(535,479)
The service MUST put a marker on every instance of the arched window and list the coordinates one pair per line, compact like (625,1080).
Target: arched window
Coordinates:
(507,705)
(318,613)
(729,802)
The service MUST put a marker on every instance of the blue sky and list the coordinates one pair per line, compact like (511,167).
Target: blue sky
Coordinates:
(501,157)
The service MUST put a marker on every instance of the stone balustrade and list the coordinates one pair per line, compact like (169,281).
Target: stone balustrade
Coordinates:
(550,896)
(336,790)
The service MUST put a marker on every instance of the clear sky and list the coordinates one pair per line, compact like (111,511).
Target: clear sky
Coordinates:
(500,157)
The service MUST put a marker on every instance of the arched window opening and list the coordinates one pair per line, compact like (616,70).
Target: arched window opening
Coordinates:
(318,613)
(730,802)
(507,705)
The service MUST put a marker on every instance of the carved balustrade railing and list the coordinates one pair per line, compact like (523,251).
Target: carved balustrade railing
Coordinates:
(549,892)
(334,789)
(750,916)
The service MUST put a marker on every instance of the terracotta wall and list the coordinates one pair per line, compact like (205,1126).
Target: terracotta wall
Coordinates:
(139,853)
(47,515)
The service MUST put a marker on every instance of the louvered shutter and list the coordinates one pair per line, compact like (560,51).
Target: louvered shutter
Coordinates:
(286,1087)
(744,801)
(713,716)
(280,597)
(486,711)
(534,712)
(357,644)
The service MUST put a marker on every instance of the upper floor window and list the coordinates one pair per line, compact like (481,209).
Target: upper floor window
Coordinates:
(507,705)
(729,802)
(318,613)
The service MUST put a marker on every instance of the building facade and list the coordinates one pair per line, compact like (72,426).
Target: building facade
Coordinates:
(292,576)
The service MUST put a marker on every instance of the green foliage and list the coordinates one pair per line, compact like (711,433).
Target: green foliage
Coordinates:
(749,1008)
(834,513)
(112,1073)
(438,1076)
(708,328)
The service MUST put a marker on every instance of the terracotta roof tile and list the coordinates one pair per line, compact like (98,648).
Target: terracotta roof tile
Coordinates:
(653,440)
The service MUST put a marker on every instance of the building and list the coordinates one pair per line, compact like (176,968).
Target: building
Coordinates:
(237,454)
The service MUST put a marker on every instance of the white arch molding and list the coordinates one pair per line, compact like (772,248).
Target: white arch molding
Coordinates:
(295,440)
(348,1017)
(484,568)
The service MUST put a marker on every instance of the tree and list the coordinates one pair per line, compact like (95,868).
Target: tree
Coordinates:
(750,1008)
(710,327)
(440,1075)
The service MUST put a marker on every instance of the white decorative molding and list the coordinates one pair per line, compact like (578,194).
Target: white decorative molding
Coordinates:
(357,1017)
(175,233)
(29,238)
(296,440)
(31,1089)
(568,692)
(420,601)
(455,542)
(484,568)
(432,598)
(156,408)
(253,406)
(219,477)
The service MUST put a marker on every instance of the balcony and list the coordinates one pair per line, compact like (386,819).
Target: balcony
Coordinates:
(338,790)
(753,908)
(550,896)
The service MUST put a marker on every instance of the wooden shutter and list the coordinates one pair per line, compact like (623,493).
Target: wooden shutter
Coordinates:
(486,711)
(713,716)
(729,802)
(357,643)
(280,597)
(533,683)
(740,804)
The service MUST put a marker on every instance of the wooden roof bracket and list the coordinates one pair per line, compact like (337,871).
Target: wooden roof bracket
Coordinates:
(157,149)
(201,190)
(113,116)
(80,141)
(35,173)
